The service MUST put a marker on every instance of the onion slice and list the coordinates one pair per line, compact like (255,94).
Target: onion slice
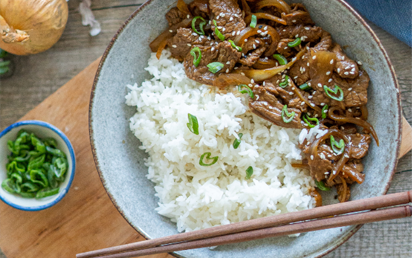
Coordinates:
(182,6)
(263,63)
(258,30)
(280,4)
(231,79)
(160,49)
(264,74)
(266,16)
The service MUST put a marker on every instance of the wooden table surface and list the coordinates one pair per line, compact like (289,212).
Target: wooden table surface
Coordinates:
(38,76)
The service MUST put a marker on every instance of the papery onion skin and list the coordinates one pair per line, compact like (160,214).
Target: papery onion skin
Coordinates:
(31,26)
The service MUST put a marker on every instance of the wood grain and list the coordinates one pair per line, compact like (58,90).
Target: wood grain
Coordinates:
(38,76)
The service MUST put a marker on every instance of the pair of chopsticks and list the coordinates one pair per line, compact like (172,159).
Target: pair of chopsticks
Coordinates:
(279,225)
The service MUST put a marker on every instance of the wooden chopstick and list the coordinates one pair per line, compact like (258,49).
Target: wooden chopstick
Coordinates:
(262,225)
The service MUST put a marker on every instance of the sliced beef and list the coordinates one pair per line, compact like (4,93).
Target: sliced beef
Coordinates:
(223,53)
(345,67)
(284,49)
(200,8)
(299,15)
(299,71)
(352,172)
(181,44)
(325,42)
(322,164)
(174,16)
(348,128)
(360,145)
(228,16)
(343,192)
(269,107)
(251,58)
(306,33)
(355,90)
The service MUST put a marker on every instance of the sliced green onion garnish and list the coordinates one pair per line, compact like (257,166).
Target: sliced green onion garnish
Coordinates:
(236,143)
(201,24)
(207,154)
(193,125)
(338,148)
(305,87)
(193,52)
(334,91)
(284,83)
(324,111)
(253,22)
(4,67)
(249,172)
(234,45)
(217,32)
(285,114)
(281,59)
(295,43)
(215,67)
(247,90)
(313,119)
(321,186)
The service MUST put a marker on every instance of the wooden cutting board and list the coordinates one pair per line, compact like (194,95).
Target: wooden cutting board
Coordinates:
(85,219)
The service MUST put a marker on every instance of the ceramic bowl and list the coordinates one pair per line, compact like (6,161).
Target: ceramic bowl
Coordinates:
(120,162)
(42,130)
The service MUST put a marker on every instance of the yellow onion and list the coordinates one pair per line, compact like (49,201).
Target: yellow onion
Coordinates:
(31,26)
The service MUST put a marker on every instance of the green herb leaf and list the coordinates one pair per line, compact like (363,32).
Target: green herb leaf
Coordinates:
(236,143)
(215,67)
(247,90)
(193,124)
(286,116)
(206,156)
(321,186)
(249,172)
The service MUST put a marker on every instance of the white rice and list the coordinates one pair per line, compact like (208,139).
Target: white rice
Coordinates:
(198,197)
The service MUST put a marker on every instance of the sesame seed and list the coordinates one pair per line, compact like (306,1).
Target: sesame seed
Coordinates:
(236,68)
(352,65)
(331,61)
(295,77)
(316,115)
(322,156)
(293,20)
(213,49)
(308,64)
(245,40)
(349,89)
(310,97)
(266,58)
(224,29)
(322,104)
(252,81)
(326,111)
(349,109)
(250,85)
(312,104)
(327,173)
(265,28)
(290,93)
(320,85)
(328,72)
(234,33)
(277,81)
(219,27)
(264,83)
(303,69)
(284,30)
(311,157)
(302,103)
(338,70)
(227,70)
(188,16)
(294,59)
(342,58)
(359,62)
(254,46)
(257,97)
(228,62)
(174,46)
(259,31)
(171,31)
(303,38)
(189,44)
(345,73)
(231,19)
(330,80)
(314,57)
(309,83)
(293,88)
(222,14)
(346,156)
(307,28)
(238,32)
(242,73)
(353,70)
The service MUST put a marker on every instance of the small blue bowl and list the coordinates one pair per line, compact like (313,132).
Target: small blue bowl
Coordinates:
(42,130)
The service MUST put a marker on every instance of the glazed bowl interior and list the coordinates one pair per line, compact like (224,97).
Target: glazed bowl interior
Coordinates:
(120,162)
(41,130)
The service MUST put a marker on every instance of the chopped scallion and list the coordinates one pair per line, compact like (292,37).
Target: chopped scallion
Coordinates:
(201,24)
(253,22)
(295,43)
(215,67)
(206,156)
(305,87)
(217,32)
(249,172)
(328,92)
(193,52)
(281,59)
(305,118)
(321,186)
(234,45)
(324,111)
(247,90)
(236,143)
(284,83)
(193,124)
(338,148)
(286,116)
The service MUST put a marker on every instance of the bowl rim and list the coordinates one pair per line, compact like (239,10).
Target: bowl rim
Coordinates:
(72,157)
(344,4)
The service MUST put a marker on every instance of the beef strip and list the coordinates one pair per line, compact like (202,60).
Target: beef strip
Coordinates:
(298,15)
(355,90)
(306,33)
(200,8)
(228,16)
(325,42)
(299,72)
(322,164)
(348,128)
(359,145)
(284,49)
(174,16)
(223,53)
(257,46)
(353,169)
(269,107)
(345,67)
(183,41)
(251,58)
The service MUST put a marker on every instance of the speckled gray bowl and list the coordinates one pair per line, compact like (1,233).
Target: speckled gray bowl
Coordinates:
(120,162)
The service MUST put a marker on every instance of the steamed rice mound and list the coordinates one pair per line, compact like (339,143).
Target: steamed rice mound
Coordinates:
(197,196)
